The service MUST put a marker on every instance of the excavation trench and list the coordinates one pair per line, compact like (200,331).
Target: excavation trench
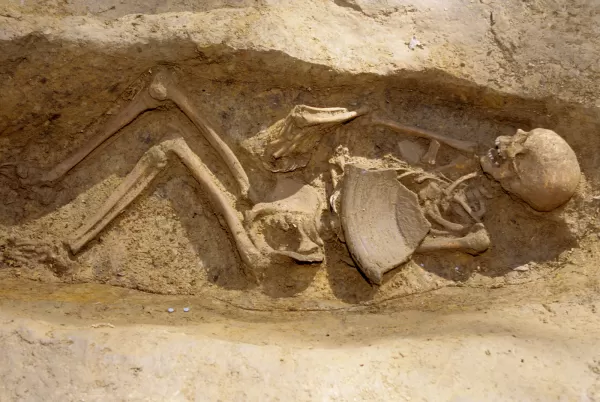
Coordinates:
(170,249)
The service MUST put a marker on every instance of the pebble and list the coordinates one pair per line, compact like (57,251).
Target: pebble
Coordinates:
(414,42)
(170,309)
(186,309)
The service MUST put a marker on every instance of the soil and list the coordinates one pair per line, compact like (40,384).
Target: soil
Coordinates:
(483,70)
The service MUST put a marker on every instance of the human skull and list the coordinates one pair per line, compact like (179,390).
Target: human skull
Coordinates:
(538,166)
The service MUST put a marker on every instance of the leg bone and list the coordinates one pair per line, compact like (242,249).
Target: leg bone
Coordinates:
(142,102)
(474,243)
(136,181)
(163,87)
(140,177)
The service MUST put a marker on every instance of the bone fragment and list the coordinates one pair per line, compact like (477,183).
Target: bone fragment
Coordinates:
(433,212)
(465,146)
(299,212)
(431,154)
(460,199)
(450,189)
(301,118)
(481,209)
(458,210)
(304,115)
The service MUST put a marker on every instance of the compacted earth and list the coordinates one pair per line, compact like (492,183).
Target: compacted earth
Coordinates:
(518,321)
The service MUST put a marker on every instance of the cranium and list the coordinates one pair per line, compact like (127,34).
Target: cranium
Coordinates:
(538,166)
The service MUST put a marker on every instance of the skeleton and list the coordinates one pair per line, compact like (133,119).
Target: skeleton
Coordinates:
(287,223)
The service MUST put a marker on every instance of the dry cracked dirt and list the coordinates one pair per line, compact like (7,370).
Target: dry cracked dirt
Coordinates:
(520,321)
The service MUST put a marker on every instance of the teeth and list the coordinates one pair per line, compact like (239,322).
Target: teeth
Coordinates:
(497,141)
(493,156)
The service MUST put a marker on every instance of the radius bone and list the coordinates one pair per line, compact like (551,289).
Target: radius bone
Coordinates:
(465,146)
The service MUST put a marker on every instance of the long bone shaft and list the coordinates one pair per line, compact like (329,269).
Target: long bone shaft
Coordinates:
(474,243)
(142,175)
(136,181)
(465,146)
(142,102)
(162,88)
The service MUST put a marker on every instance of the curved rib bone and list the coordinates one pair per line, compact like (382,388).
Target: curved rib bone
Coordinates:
(433,212)
(465,146)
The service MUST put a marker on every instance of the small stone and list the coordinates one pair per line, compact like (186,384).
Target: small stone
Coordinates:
(414,42)
(170,309)
(521,268)
(186,309)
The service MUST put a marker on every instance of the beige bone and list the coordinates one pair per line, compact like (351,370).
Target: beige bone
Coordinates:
(465,146)
(161,88)
(140,103)
(474,243)
(140,177)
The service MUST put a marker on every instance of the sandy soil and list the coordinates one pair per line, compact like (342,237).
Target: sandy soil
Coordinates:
(485,70)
